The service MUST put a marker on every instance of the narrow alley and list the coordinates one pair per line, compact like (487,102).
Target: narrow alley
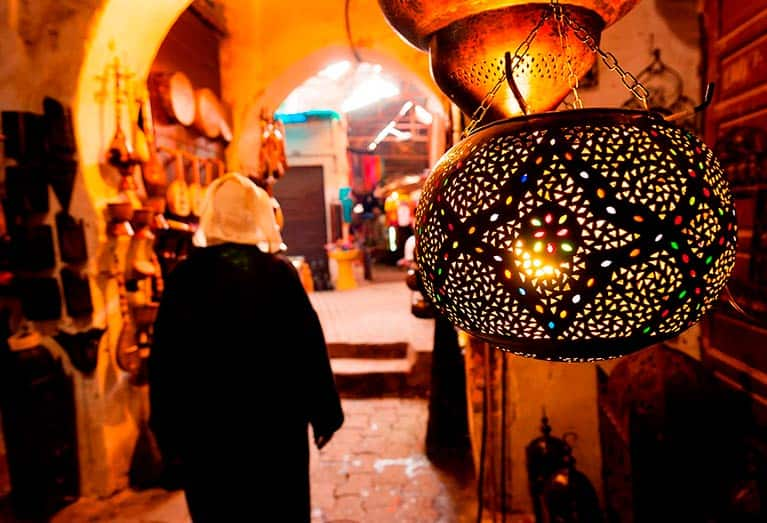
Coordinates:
(375,469)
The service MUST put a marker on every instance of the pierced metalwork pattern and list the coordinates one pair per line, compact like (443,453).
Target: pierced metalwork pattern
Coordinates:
(576,235)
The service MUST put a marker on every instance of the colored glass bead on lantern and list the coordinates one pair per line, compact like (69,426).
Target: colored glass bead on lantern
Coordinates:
(576,235)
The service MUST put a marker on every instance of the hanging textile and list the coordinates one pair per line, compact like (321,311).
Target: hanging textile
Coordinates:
(365,170)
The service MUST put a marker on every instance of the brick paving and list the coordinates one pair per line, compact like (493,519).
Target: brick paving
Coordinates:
(375,312)
(373,471)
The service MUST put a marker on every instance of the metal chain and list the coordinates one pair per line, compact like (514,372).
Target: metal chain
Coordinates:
(629,80)
(519,54)
(572,78)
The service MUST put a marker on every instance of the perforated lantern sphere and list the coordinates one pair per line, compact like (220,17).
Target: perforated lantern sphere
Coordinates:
(576,235)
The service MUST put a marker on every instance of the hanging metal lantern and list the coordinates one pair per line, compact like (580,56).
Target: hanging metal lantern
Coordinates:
(467,40)
(576,235)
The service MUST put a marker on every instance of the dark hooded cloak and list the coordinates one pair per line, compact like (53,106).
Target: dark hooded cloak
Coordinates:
(237,372)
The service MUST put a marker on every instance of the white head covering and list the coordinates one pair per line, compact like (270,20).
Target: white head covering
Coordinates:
(236,210)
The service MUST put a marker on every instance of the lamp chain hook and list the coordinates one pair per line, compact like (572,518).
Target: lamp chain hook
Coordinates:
(629,80)
(519,54)
(572,78)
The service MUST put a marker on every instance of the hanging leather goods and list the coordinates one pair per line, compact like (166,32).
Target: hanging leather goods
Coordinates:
(175,94)
(119,153)
(140,265)
(152,169)
(120,214)
(127,350)
(61,174)
(24,136)
(82,348)
(26,191)
(33,248)
(72,243)
(40,298)
(24,339)
(272,158)
(77,292)
(59,131)
(178,191)
(208,113)
(196,190)
(158,205)
(210,171)
(140,144)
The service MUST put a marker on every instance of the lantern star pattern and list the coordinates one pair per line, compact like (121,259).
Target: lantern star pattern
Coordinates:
(577,235)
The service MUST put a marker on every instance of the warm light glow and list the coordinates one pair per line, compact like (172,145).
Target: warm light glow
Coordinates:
(423,116)
(400,135)
(392,239)
(369,91)
(576,235)
(336,71)
(405,108)
(342,87)
(389,129)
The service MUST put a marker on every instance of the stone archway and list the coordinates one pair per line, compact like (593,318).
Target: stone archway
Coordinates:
(245,150)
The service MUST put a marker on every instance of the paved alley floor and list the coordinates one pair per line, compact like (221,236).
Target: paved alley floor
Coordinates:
(377,311)
(373,471)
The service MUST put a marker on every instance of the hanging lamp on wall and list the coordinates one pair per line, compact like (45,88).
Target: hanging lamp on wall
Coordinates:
(575,235)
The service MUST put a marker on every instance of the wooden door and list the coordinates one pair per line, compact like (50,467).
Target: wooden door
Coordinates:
(736,125)
(301,193)
(734,344)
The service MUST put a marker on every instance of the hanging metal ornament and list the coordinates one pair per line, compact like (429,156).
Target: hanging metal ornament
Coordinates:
(466,41)
(576,235)
(666,92)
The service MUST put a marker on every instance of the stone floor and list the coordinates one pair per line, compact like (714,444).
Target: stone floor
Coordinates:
(377,311)
(373,470)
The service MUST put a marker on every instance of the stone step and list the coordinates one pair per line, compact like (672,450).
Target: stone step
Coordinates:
(368,350)
(377,377)
(357,366)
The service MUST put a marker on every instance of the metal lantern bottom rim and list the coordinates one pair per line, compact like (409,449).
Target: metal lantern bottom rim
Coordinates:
(572,351)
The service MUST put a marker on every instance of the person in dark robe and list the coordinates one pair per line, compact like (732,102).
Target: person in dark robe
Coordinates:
(239,367)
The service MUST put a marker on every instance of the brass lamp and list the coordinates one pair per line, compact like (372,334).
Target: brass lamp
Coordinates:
(467,39)
(574,235)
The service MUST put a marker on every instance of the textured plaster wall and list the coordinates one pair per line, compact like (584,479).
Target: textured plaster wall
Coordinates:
(261,65)
(59,48)
(62,47)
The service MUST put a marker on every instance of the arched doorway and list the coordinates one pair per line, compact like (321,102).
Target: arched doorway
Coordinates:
(257,72)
